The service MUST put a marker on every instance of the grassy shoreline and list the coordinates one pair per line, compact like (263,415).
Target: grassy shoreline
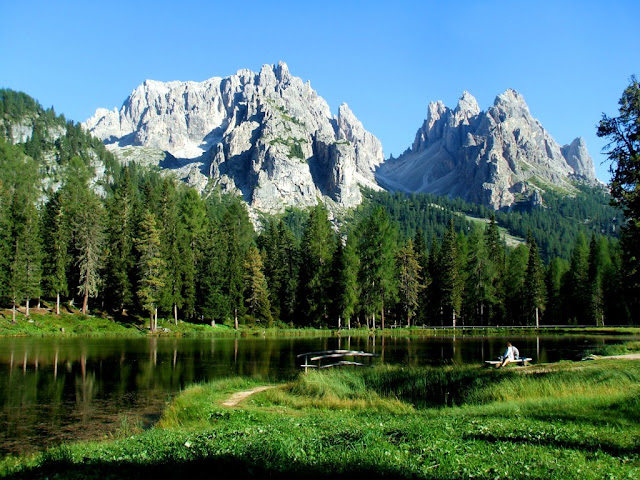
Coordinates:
(565,420)
(76,324)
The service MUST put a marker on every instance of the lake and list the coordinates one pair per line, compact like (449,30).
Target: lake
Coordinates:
(55,390)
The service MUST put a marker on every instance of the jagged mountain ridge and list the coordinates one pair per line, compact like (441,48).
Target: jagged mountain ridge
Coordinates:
(267,135)
(494,158)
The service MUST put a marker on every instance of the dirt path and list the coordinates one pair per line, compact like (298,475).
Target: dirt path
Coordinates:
(239,396)
(628,356)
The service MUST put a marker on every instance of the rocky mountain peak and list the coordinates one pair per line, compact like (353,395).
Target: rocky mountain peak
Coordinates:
(468,105)
(266,134)
(497,158)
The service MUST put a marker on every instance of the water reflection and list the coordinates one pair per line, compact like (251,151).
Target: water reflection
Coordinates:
(55,390)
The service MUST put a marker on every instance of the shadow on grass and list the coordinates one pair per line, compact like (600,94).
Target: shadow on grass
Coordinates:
(589,445)
(218,467)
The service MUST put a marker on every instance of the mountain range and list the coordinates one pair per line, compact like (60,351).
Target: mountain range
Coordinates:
(269,136)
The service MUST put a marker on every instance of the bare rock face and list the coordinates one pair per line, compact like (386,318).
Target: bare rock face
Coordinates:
(267,135)
(495,158)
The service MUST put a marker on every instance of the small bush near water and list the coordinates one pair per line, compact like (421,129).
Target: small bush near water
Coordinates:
(563,421)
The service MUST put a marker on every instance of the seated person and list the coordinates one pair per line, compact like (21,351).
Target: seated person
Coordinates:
(511,354)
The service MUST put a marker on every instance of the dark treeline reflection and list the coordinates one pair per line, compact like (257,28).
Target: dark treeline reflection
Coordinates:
(55,390)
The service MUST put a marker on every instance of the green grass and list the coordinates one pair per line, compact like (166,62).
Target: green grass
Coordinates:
(563,421)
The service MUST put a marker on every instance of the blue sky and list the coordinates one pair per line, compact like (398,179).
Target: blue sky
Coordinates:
(570,60)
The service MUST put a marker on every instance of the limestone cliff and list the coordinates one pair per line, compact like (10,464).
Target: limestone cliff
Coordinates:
(495,158)
(268,135)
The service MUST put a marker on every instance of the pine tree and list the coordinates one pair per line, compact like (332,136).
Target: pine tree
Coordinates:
(237,236)
(346,280)
(56,259)
(256,291)
(85,223)
(122,211)
(599,263)
(556,271)
(170,235)
(409,280)
(577,297)
(317,250)
(451,282)
(377,274)
(534,287)
(89,243)
(517,261)
(193,229)
(151,267)
(496,254)
(280,253)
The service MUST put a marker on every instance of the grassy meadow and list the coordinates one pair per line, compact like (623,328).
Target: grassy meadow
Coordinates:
(556,421)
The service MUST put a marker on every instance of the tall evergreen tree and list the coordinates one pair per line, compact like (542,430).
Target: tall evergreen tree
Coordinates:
(577,296)
(377,274)
(56,259)
(346,293)
(623,133)
(451,282)
(192,228)
(517,261)
(85,219)
(317,250)
(237,235)
(555,273)
(151,267)
(599,263)
(121,220)
(409,280)
(534,287)
(256,291)
(170,238)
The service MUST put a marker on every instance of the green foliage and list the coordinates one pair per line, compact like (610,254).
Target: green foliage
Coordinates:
(294,144)
(623,133)
(256,293)
(151,266)
(554,227)
(317,250)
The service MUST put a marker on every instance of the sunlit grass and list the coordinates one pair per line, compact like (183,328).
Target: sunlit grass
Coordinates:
(566,421)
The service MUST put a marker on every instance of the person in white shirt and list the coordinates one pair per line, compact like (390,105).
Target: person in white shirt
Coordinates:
(511,354)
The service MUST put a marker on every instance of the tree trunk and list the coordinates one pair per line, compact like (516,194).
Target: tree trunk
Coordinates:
(537,319)
(235,318)
(382,316)
(339,322)
(26,308)
(151,326)
(175,313)
(13,312)
(454,318)
(57,303)
(85,300)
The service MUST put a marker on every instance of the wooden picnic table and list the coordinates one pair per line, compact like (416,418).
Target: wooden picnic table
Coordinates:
(333,354)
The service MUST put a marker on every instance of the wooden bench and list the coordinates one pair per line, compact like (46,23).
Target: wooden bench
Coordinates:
(522,361)
(340,357)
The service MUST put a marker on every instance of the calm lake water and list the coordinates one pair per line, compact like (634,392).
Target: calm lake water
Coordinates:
(55,390)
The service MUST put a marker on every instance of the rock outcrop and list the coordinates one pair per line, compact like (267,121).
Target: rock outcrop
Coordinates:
(496,158)
(267,135)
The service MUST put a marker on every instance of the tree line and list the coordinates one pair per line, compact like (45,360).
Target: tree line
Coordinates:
(151,246)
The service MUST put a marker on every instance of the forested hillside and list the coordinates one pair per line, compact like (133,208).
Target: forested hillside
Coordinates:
(138,245)
(555,226)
